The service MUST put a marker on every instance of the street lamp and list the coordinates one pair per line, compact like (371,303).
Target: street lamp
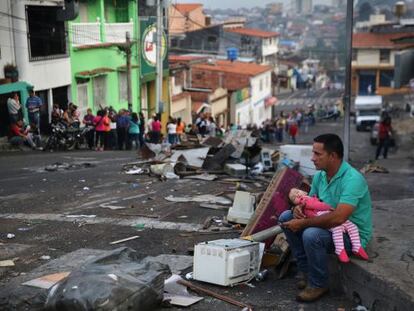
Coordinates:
(348,77)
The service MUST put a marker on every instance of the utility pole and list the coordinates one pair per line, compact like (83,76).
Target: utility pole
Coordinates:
(348,76)
(159,54)
(128,52)
(127,49)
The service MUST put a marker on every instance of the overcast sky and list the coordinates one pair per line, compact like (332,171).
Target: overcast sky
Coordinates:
(225,4)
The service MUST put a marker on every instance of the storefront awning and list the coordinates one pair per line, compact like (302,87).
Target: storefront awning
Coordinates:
(15,87)
(198,107)
(93,73)
(270,101)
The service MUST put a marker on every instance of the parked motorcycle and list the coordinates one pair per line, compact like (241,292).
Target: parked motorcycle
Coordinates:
(65,137)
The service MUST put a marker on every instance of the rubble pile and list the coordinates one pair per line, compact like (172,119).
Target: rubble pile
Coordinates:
(209,158)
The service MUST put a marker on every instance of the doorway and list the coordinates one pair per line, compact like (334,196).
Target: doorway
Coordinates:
(367,82)
(4,115)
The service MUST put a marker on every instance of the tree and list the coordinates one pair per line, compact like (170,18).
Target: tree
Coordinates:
(365,11)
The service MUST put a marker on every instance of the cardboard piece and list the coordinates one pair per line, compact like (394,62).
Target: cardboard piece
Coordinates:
(7,263)
(177,294)
(217,161)
(47,281)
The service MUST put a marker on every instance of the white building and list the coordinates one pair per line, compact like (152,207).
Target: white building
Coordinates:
(32,38)
(303,6)
(248,84)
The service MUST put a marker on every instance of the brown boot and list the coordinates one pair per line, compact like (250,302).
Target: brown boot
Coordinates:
(303,280)
(310,294)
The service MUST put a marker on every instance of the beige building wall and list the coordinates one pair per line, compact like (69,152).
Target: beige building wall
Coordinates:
(371,57)
(181,108)
(180,23)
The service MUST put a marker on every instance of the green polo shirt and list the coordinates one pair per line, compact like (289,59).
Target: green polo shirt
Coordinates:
(348,186)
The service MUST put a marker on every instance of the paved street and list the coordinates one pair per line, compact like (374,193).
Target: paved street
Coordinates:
(35,205)
(303,98)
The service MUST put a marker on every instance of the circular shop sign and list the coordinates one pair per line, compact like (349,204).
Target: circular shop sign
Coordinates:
(149,45)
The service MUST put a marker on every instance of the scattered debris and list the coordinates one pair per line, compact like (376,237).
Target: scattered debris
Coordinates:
(80,216)
(7,263)
(47,281)
(237,170)
(202,290)
(24,228)
(136,171)
(112,207)
(373,168)
(216,161)
(139,226)
(161,169)
(205,198)
(125,240)
(177,263)
(140,215)
(214,206)
(242,208)
(171,175)
(193,157)
(205,176)
(58,166)
(177,294)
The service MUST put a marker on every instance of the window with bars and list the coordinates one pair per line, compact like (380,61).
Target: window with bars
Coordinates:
(123,87)
(46,35)
(384,56)
(99,92)
(82,97)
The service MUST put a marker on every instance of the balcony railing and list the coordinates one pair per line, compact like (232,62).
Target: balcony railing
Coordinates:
(85,33)
(90,33)
(115,32)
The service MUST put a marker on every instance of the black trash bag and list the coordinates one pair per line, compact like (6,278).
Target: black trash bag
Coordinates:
(116,281)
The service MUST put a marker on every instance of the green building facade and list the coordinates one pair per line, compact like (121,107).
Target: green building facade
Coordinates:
(98,61)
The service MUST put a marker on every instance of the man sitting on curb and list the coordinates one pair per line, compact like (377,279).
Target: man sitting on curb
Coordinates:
(20,135)
(341,186)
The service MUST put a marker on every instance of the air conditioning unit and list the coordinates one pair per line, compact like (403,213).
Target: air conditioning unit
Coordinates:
(227,261)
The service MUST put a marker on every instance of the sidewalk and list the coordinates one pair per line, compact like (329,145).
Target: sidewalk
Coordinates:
(386,282)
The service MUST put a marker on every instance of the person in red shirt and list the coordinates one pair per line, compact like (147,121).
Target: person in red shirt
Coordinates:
(293,131)
(156,131)
(19,135)
(384,135)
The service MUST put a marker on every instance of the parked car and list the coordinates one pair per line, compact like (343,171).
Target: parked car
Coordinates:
(374,136)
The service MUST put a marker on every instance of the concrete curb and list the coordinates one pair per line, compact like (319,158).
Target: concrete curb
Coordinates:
(368,289)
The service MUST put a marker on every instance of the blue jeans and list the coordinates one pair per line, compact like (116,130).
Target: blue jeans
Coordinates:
(311,247)
(34,117)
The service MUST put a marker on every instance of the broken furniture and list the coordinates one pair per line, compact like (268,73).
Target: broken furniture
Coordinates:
(274,202)
(242,209)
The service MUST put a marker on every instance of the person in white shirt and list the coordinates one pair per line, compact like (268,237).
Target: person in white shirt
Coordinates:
(14,108)
(172,131)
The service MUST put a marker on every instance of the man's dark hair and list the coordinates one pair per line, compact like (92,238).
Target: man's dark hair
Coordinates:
(331,143)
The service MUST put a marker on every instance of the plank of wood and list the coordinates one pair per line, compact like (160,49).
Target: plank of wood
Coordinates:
(206,291)
(125,240)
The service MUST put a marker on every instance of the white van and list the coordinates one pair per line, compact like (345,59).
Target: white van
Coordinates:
(367,111)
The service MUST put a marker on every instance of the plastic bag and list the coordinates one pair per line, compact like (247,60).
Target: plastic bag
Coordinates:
(114,281)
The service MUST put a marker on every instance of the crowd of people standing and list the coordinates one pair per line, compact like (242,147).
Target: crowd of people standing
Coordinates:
(287,125)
